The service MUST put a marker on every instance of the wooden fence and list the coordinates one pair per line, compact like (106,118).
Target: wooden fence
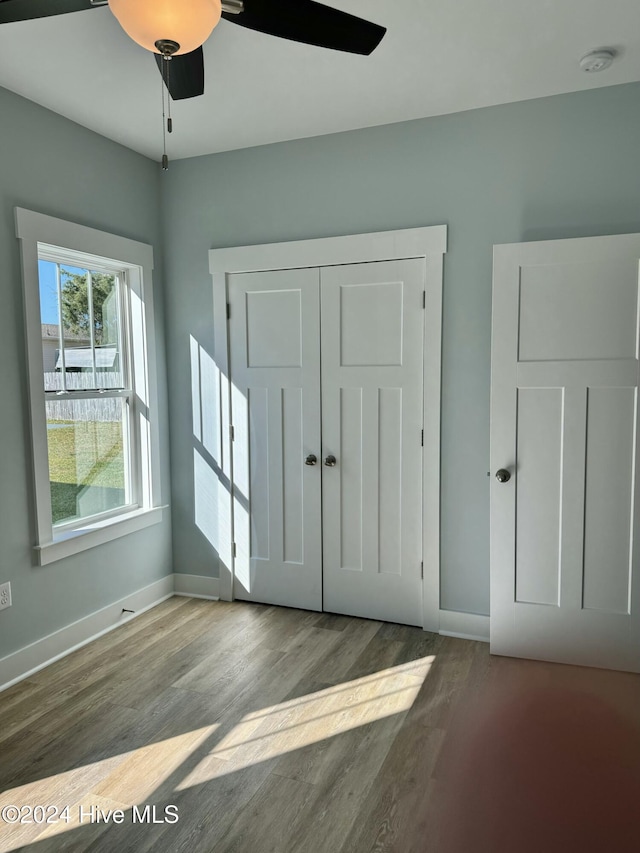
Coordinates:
(100,409)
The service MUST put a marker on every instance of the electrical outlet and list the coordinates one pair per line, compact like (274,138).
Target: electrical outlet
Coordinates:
(5,595)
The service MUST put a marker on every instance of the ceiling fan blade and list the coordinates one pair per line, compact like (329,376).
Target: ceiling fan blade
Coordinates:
(310,23)
(26,10)
(186,74)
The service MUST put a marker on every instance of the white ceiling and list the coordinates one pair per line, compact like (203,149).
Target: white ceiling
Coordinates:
(438,56)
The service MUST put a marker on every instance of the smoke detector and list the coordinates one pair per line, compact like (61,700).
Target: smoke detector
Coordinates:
(597,60)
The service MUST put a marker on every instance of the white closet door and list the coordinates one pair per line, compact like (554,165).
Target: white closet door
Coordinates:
(565,582)
(372,356)
(275,376)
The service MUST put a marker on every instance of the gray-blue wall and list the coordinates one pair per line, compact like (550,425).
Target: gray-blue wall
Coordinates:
(557,167)
(56,167)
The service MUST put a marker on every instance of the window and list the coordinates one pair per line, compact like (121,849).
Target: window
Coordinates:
(89,324)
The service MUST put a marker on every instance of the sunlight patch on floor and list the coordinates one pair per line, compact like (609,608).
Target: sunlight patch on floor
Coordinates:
(140,775)
(57,791)
(118,782)
(298,723)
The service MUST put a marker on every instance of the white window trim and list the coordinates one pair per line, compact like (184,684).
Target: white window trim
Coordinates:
(429,243)
(35,232)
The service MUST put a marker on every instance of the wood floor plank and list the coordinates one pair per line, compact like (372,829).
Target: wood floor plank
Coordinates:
(332,621)
(388,818)
(387,821)
(141,774)
(173,712)
(81,813)
(208,801)
(341,788)
(457,657)
(24,691)
(78,839)
(242,662)
(353,640)
(146,674)
(59,790)
(17,752)
(76,705)
(91,739)
(273,684)
(377,655)
(269,818)
(281,626)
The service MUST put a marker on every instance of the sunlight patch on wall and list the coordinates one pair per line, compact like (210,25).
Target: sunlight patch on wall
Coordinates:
(210,396)
(211,505)
(242,563)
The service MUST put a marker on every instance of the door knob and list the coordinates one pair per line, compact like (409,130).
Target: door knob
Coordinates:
(311,459)
(502,475)
(330,461)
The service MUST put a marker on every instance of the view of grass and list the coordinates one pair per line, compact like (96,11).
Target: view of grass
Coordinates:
(86,467)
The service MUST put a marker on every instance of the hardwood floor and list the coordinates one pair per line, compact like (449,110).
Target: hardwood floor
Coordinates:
(280,731)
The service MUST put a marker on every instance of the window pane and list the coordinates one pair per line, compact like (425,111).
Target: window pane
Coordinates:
(106,324)
(88,459)
(91,325)
(76,329)
(50,324)
(88,353)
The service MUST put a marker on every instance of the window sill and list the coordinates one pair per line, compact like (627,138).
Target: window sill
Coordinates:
(73,542)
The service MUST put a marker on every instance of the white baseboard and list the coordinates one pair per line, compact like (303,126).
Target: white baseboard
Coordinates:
(29,659)
(467,626)
(196,586)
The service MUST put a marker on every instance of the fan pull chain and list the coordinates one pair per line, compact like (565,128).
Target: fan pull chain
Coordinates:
(165,159)
(166,48)
(169,120)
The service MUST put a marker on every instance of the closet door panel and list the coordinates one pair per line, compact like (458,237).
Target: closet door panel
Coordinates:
(275,376)
(372,323)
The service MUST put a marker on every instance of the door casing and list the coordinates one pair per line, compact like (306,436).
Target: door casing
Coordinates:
(429,243)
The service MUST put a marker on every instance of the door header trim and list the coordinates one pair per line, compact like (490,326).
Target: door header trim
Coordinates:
(329,251)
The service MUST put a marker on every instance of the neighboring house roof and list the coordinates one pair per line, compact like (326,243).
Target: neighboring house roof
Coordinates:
(52,330)
(80,357)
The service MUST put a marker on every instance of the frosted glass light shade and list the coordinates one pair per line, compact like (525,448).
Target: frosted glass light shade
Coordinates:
(187,22)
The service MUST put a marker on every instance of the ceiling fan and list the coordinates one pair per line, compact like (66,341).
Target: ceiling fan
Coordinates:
(303,21)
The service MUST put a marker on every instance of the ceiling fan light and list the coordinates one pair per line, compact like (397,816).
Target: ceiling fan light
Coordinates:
(187,22)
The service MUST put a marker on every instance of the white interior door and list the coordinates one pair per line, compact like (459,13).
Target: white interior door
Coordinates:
(372,357)
(275,376)
(564,414)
